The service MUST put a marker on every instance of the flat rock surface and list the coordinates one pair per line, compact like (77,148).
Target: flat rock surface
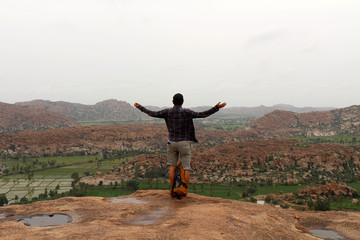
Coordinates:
(154,215)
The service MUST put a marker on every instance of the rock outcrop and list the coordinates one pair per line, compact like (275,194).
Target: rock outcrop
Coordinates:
(95,139)
(330,189)
(85,140)
(154,215)
(18,118)
(325,123)
(275,160)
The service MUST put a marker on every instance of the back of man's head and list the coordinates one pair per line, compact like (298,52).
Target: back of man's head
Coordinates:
(178,99)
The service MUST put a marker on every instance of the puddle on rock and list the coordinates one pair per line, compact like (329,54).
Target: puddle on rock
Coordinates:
(147,218)
(126,200)
(327,234)
(46,220)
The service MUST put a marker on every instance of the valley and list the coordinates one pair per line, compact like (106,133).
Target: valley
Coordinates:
(236,158)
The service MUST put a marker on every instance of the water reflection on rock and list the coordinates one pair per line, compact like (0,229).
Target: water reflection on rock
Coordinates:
(127,200)
(327,234)
(46,220)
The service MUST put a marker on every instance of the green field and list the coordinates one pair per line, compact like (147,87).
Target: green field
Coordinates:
(21,186)
(206,189)
(346,140)
(17,185)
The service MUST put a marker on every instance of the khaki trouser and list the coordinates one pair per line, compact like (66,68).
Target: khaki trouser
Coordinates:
(176,149)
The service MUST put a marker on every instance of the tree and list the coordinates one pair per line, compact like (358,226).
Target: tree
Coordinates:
(24,200)
(30,176)
(3,200)
(76,177)
(132,185)
(80,191)
(6,171)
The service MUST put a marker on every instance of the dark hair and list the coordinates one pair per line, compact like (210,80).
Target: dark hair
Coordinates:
(178,99)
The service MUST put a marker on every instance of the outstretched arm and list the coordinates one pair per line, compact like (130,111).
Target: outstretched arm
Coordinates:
(209,112)
(157,114)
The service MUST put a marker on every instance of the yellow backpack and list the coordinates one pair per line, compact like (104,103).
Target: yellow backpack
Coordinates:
(179,188)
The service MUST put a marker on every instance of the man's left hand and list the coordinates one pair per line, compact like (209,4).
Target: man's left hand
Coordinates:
(221,105)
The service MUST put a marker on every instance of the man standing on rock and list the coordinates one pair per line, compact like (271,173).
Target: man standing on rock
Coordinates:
(179,122)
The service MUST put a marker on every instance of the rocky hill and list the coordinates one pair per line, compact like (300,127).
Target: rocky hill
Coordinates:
(85,140)
(17,118)
(283,161)
(259,111)
(154,215)
(327,123)
(108,110)
(95,139)
(114,110)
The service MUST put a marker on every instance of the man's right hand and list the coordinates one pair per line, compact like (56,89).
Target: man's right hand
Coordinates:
(221,105)
(137,105)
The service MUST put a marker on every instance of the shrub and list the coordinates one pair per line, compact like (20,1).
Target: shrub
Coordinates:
(356,194)
(132,185)
(24,200)
(276,202)
(75,176)
(80,191)
(322,205)
(251,190)
(252,199)
(3,200)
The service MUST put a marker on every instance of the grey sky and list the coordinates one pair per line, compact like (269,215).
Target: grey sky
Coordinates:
(244,52)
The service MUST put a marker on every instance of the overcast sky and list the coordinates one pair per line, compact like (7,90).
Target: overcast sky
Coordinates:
(244,52)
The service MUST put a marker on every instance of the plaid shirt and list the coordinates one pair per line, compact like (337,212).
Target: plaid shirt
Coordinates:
(179,121)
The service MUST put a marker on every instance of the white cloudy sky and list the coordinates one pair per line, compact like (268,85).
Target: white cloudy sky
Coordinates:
(244,52)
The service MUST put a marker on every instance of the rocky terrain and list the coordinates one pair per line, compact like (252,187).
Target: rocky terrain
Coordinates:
(327,123)
(262,161)
(17,118)
(95,139)
(84,140)
(330,189)
(154,215)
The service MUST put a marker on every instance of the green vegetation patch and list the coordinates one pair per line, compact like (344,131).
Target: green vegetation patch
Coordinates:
(345,140)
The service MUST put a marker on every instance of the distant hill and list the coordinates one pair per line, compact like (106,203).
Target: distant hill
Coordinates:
(326,123)
(259,111)
(17,118)
(114,110)
(108,110)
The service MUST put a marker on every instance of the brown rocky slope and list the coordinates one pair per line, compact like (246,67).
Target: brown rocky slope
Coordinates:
(94,139)
(18,118)
(154,215)
(326,123)
(275,160)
